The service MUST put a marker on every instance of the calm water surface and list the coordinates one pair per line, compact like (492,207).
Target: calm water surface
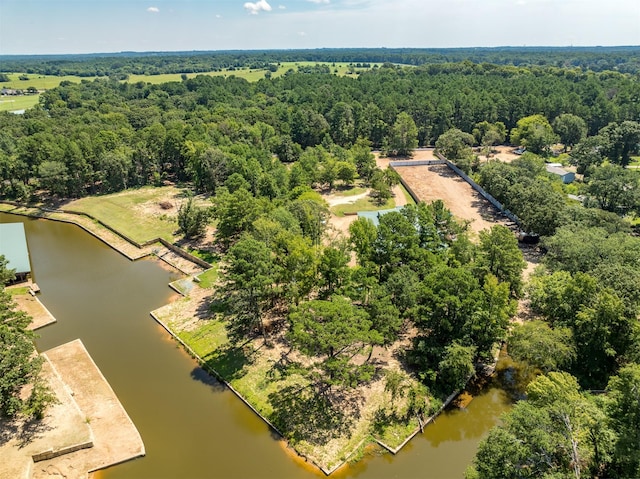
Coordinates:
(191,426)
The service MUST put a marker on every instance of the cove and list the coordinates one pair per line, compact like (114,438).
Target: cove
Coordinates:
(191,425)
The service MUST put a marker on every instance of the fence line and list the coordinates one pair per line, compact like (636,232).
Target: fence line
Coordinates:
(416,162)
(474,185)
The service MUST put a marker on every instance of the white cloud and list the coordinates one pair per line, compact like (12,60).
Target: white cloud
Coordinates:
(218,16)
(282,7)
(153,9)
(257,7)
(319,1)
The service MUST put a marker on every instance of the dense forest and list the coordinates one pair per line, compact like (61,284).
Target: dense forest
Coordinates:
(119,65)
(261,151)
(102,136)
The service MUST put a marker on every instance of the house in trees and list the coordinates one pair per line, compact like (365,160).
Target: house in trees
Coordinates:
(556,169)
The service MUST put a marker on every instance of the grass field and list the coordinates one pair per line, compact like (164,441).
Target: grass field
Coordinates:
(41,82)
(13,103)
(340,69)
(135,213)
(46,82)
(363,204)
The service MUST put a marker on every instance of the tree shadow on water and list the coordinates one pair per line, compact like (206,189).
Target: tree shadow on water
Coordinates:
(207,378)
(303,414)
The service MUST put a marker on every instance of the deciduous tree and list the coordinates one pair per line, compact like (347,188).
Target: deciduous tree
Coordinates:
(535,133)
(570,128)
(192,219)
(499,255)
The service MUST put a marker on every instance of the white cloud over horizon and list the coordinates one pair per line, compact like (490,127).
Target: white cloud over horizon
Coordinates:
(256,7)
(71,26)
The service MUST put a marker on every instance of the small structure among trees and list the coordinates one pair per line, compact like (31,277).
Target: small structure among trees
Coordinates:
(13,246)
(556,169)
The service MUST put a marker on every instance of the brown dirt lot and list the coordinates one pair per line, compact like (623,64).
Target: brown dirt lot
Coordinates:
(503,153)
(115,438)
(440,182)
(40,316)
(88,413)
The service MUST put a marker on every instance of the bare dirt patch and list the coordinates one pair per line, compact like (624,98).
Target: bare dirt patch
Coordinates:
(63,426)
(88,416)
(418,154)
(435,182)
(40,316)
(115,438)
(503,153)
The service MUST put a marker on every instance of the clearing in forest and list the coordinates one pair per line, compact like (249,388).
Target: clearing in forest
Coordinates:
(439,182)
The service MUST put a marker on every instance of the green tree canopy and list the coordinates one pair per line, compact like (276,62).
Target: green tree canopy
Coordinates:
(498,254)
(536,343)
(559,431)
(192,219)
(336,330)
(403,138)
(249,279)
(570,128)
(624,413)
(621,140)
(22,390)
(455,144)
(534,133)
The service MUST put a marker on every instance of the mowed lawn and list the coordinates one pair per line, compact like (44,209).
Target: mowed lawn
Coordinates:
(136,213)
(40,82)
(20,102)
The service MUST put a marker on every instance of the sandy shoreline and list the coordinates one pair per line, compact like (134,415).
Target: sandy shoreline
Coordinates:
(87,430)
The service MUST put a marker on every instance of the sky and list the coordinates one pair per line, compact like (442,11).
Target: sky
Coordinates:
(97,26)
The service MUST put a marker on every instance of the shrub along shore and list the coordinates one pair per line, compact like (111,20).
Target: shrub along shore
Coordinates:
(370,415)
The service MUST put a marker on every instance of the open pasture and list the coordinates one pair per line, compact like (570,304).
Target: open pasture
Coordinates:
(18,102)
(45,82)
(40,82)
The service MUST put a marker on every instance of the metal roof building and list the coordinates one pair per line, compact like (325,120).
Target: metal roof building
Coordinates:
(13,246)
(556,169)
(375,215)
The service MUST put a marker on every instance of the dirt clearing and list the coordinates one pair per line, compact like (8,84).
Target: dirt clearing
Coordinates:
(435,182)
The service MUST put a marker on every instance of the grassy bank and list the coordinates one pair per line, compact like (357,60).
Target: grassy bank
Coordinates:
(326,434)
(136,213)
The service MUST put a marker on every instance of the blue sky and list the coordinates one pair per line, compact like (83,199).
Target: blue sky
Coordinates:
(87,26)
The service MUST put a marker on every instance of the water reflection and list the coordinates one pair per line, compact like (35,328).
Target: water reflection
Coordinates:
(192,427)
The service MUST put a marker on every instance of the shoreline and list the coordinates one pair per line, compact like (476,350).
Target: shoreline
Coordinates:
(87,430)
(124,246)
